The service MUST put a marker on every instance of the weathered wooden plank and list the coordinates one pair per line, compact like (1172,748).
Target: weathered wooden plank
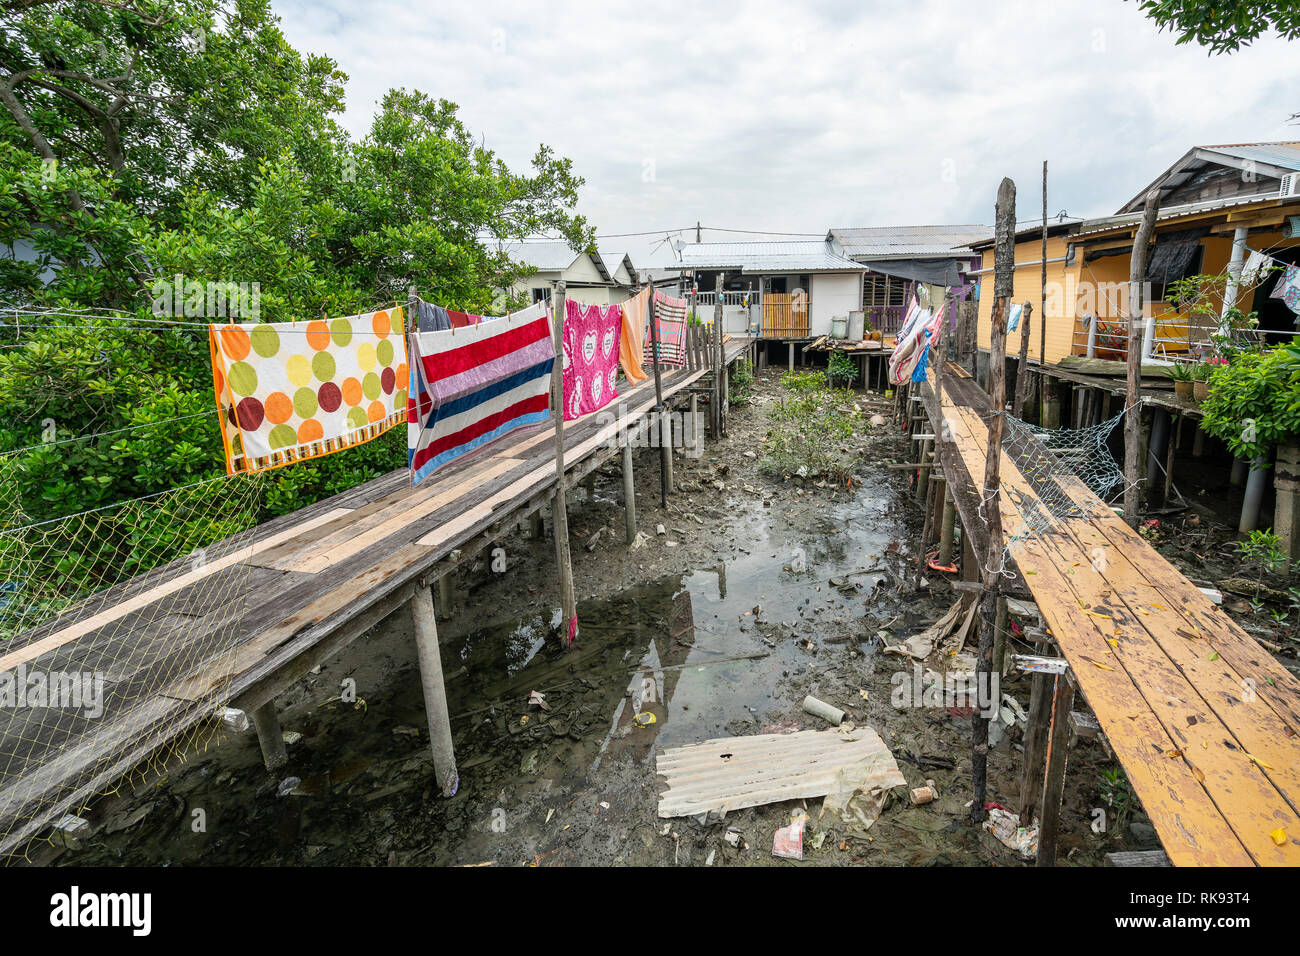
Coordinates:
(1151,692)
(738,772)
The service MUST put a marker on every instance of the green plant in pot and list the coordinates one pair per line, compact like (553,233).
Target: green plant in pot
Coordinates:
(1201,373)
(1184,377)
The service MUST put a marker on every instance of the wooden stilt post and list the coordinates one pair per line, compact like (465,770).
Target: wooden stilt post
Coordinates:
(444,595)
(1022,369)
(269,736)
(692,331)
(1136,335)
(665,459)
(1050,413)
(1286,512)
(559,511)
(1037,725)
(696,439)
(666,443)
(986,684)
(946,527)
(718,423)
(1170,446)
(435,691)
(1058,751)
(629,490)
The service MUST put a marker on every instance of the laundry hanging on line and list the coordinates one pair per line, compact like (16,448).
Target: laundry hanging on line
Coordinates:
(591,356)
(473,384)
(670,326)
(631,355)
(291,391)
(1288,288)
(912,344)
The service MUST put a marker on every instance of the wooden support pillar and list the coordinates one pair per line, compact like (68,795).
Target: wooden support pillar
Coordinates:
(1143,424)
(1159,436)
(923,473)
(435,692)
(1037,725)
(1133,450)
(629,490)
(1170,446)
(1002,625)
(1050,413)
(536,525)
(986,681)
(269,736)
(444,596)
(1198,441)
(666,443)
(1058,752)
(697,440)
(946,527)
(1286,511)
(589,486)
(559,510)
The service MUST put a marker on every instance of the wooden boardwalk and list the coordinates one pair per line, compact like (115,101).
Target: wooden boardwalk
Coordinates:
(1205,722)
(303,586)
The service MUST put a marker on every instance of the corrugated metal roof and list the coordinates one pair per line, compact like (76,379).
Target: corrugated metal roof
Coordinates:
(1107,223)
(801,255)
(910,242)
(543,256)
(1284,154)
(615,259)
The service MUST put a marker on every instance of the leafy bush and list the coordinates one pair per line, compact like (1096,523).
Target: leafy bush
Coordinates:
(1253,401)
(741,390)
(804,381)
(841,369)
(810,429)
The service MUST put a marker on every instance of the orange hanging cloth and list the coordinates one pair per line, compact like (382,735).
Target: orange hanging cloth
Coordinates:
(635,311)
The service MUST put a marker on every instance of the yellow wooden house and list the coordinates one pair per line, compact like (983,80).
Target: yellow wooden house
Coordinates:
(1213,199)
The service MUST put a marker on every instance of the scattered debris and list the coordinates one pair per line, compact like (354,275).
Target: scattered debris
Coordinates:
(787,842)
(1005,825)
(818,708)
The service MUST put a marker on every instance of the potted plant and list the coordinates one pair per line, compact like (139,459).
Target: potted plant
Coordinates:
(1183,374)
(1201,381)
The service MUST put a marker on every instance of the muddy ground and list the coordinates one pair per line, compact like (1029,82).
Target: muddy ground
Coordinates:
(762,589)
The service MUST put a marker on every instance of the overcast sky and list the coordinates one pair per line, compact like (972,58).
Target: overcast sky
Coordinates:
(801,116)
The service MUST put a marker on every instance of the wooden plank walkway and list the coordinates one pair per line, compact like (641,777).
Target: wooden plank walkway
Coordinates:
(1205,722)
(311,582)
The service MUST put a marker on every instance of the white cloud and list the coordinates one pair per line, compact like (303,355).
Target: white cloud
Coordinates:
(766,116)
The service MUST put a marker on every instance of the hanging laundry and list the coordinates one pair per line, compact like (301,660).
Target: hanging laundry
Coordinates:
(591,334)
(1288,288)
(670,325)
(432,318)
(1014,319)
(471,385)
(912,345)
(289,391)
(635,313)
(1253,270)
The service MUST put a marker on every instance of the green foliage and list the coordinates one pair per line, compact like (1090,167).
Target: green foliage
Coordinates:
(1224,26)
(146,140)
(1181,372)
(841,370)
(804,381)
(1202,296)
(741,389)
(810,428)
(1116,792)
(1253,401)
(1263,550)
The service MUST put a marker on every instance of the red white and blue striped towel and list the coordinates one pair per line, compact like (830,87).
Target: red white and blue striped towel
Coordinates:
(473,384)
